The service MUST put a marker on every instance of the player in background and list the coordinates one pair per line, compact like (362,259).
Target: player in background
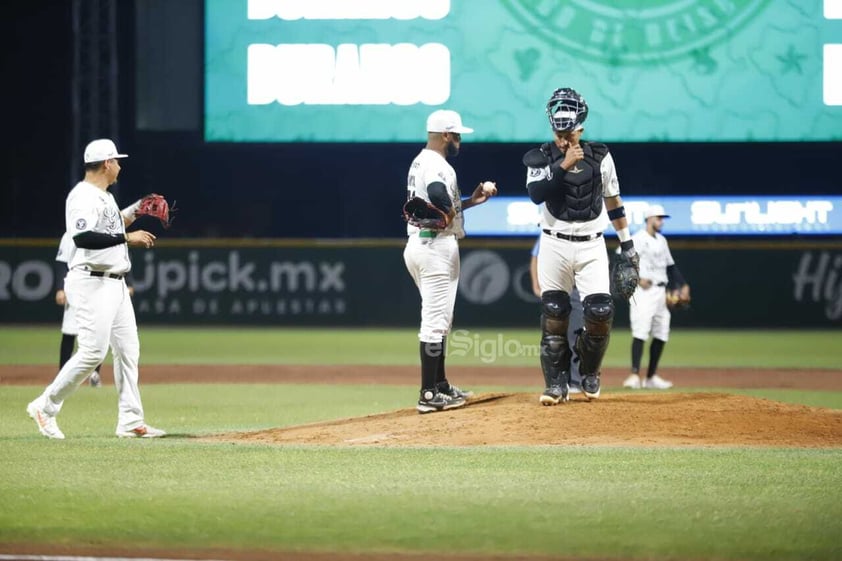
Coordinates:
(432,256)
(577,321)
(69,329)
(648,310)
(95,287)
(575,182)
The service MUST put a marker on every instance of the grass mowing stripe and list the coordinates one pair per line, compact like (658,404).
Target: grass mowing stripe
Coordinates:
(501,347)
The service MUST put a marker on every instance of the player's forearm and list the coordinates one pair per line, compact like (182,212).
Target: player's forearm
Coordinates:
(542,189)
(98,240)
(617,215)
(129,213)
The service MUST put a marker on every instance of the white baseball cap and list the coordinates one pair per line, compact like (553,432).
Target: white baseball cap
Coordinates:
(445,120)
(655,210)
(100,150)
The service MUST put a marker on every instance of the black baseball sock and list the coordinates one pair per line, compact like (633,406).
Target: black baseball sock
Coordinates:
(431,353)
(637,354)
(441,376)
(66,350)
(655,350)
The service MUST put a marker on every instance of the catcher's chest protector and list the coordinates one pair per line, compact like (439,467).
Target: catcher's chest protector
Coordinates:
(580,199)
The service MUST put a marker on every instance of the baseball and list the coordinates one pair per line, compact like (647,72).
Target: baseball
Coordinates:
(489,188)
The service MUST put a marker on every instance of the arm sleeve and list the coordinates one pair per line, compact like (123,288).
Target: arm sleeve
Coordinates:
(437,191)
(59,272)
(540,182)
(674,276)
(97,240)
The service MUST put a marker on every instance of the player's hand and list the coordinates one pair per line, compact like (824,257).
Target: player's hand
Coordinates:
(645,284)
(483,192)
(684,292)
(61,297)
(573,155)
(140,238)
(131,291)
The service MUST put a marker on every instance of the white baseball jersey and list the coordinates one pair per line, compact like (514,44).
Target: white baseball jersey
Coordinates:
(430,167)
(66,250)
(89,208)
(648,311)
(654,254)
(610,188)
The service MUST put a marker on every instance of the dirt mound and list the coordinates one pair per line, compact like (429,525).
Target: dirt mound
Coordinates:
(663,419)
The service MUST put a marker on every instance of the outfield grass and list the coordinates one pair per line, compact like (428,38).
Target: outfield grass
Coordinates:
(577,501)
(502,347)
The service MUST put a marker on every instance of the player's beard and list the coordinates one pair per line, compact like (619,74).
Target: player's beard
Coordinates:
(452,149)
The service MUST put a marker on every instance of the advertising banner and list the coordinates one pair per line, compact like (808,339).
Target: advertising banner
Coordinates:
(366,284)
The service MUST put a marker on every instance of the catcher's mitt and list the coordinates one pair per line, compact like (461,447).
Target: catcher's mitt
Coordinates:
(625,274)
(422,214)
(157,206)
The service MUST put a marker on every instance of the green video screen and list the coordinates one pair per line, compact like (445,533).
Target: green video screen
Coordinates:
(650,70)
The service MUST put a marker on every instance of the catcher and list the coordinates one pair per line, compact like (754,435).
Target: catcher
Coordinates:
(661,288)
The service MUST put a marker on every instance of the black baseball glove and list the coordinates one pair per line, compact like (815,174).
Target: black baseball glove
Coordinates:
(422,214)
(625,274)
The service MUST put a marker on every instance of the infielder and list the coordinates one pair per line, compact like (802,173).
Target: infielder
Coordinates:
(432,255)
(576,181)
(96,289)
(69,330)
(648,311)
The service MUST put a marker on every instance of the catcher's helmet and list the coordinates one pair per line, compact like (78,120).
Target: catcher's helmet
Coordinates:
(566,110)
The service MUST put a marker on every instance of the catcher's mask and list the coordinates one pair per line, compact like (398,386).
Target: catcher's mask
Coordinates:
(566,110)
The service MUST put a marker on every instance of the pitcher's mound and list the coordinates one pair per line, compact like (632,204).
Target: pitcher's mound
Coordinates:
(622,419)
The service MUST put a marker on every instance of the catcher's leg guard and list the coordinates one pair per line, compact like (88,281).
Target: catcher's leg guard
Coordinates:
(592,341)
(555,349)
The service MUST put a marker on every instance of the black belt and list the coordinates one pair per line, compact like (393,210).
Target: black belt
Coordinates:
(106,275)
(574,238)
(661,284)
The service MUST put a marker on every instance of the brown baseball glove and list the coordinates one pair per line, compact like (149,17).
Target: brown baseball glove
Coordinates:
(422,214)
(156,205)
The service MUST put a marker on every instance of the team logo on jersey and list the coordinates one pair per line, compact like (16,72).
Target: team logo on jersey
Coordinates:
(81,224)
(653,31)
(575,169)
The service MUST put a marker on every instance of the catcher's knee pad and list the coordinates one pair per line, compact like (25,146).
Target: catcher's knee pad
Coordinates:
(555,306)
(598,314)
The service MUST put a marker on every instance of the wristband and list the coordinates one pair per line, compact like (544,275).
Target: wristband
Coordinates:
(616,213)
(627,245)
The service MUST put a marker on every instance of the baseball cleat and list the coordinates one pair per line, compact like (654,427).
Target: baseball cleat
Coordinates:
(554,395)
(632,382)
(143,431)
(432,401)
(457,392)
(590,386)
(46,423)
(657,383)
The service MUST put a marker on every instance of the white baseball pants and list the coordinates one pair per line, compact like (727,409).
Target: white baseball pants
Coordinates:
(104,316)
(649,314)
(561,263)
(434,266)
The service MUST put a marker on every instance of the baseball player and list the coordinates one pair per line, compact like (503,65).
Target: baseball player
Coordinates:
(648,309)
(432,255)
(66,249)
(576,181)
(96,290)
(576,319)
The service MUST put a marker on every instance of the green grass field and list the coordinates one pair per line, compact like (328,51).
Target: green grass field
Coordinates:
(577,502)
